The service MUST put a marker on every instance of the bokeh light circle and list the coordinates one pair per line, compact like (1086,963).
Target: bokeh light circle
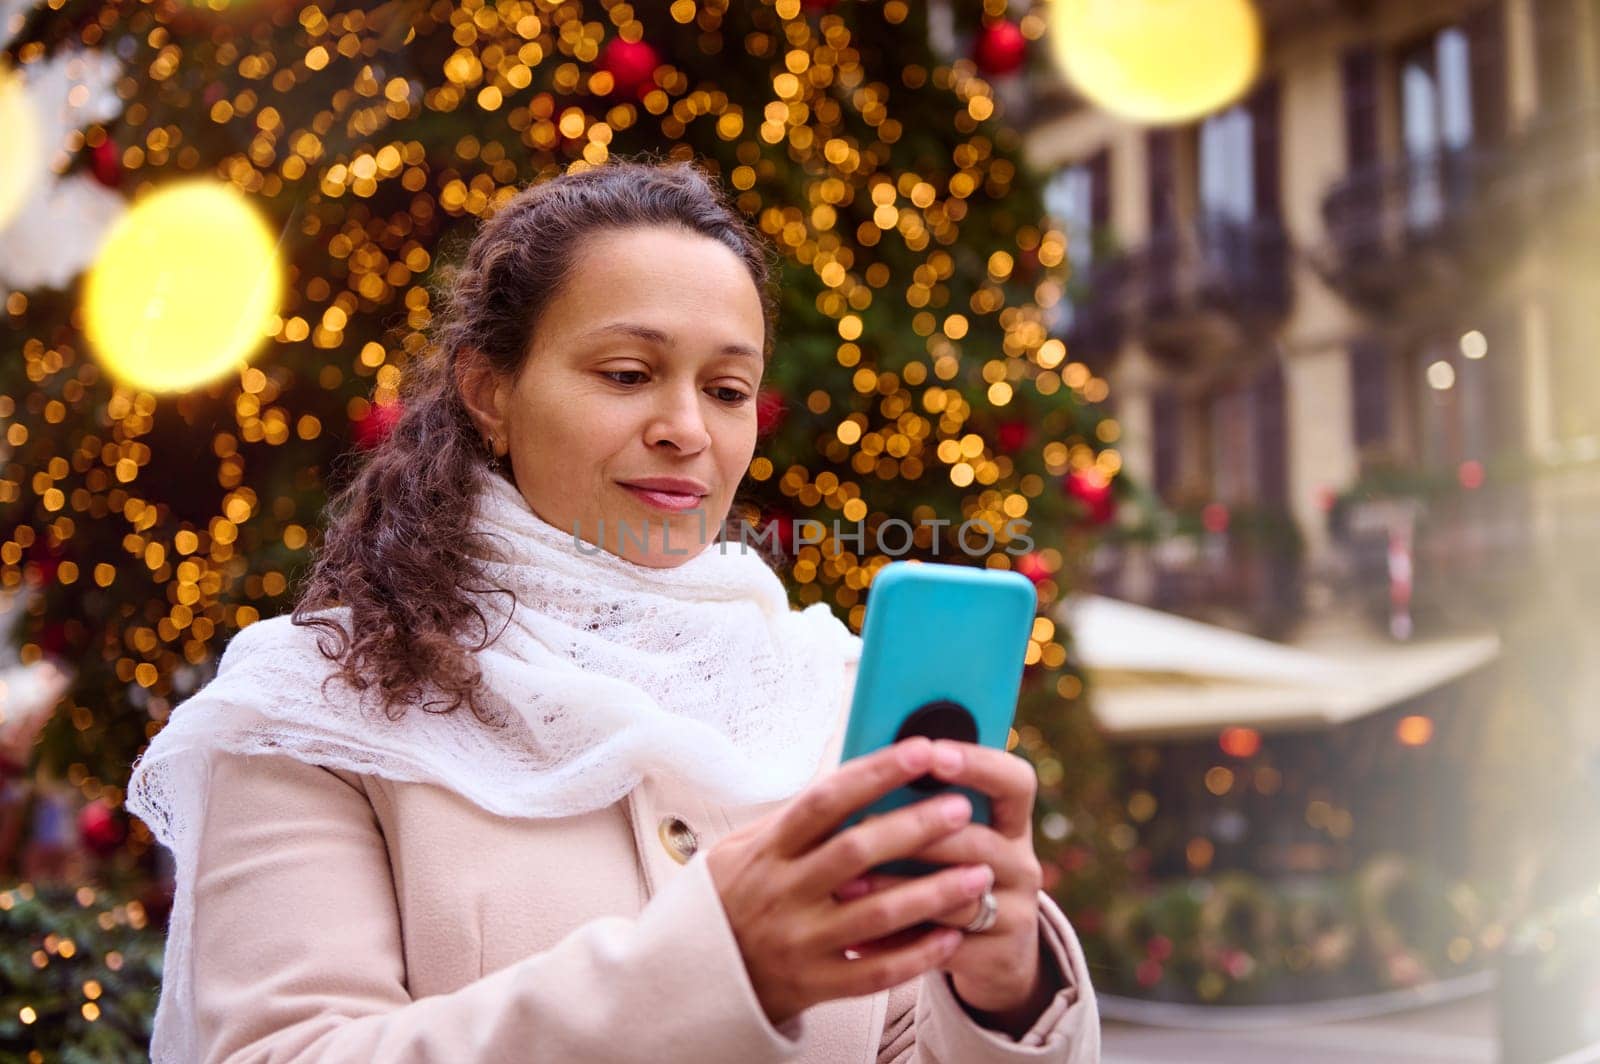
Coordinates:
(183,287)
(20,162)
(1157,61)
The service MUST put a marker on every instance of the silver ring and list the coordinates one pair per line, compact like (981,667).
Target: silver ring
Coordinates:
(988,914)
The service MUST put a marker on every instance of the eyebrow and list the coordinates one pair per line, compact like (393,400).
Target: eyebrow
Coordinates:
(661,339)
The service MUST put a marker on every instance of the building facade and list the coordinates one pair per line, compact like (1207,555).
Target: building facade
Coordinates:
(1374,274)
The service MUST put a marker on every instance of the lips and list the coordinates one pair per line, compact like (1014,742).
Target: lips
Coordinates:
(674,501)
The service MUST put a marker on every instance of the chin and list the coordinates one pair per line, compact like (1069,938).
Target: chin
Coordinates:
(665,539)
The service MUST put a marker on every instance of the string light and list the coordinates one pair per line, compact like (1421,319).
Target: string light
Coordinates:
(361,155)
(1414,730)
(1158,61)
(182,287)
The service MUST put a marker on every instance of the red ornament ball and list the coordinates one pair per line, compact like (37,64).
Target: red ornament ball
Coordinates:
(41,572)
(779,526)
(99,828)
(1092,488)
(376,426)
(105,162)
(1012,436)
(1027,268)
(1032,566)
(771,409)
(631,64)
(53,639)
(1000,48)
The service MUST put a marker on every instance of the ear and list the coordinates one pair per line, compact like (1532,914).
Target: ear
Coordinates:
(484,393)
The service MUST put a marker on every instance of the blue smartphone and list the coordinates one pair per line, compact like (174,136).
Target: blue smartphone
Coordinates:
(943,648)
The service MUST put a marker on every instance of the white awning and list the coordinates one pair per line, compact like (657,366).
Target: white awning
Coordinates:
(1156,675)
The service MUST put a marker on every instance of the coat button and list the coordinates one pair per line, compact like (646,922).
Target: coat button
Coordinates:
(678,838)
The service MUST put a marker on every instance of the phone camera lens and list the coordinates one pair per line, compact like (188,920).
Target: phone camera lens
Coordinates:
(939,719)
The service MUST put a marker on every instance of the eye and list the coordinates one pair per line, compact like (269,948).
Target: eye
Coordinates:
(732,396)
(614,374)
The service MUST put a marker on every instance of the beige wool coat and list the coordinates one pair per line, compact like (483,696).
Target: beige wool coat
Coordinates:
(342,917)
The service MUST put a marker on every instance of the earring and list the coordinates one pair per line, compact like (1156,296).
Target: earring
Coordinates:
(496,460)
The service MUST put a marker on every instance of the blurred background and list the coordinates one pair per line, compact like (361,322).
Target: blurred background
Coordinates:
(1271,318)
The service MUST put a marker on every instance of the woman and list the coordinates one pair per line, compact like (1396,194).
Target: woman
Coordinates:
(539,769)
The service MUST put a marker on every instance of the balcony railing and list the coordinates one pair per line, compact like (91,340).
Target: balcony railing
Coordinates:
(1205,285)
(1455,215)
(1215,281)
(1092,322)
(1387,210)
(1221,264)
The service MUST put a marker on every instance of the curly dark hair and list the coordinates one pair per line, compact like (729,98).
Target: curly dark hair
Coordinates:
(394,551)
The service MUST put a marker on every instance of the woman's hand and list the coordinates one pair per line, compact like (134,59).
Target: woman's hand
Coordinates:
(778,879)
(995,971)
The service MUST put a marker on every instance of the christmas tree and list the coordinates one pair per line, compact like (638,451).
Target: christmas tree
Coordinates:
(916,378)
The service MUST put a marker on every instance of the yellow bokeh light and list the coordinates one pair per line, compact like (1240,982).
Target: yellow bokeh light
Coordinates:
(183,287)
(1158,61)
(19,133)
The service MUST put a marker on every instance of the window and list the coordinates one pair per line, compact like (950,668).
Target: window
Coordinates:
(1369,392)
(1078,199)
(1227,165)
(1249,440)
(1272,434)
(1069,199)
(1238,159)
(1237,179)
(1486,48)
(1441,441)
(1233,447)
(1162,163)
(1435,118)
(1361,108)
(1166,413)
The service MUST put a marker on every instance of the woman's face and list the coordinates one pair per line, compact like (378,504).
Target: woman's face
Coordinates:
(644,366)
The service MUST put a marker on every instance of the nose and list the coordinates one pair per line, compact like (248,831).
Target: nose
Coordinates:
(678,420)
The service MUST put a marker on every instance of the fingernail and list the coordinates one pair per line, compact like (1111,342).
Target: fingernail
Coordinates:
(914,756)
(947,759)
(980,878)
(954,808)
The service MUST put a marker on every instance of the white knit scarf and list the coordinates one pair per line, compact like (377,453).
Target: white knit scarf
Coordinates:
(604,672)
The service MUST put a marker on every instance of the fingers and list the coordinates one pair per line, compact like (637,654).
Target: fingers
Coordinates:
(819,809)
(1013,861)
(889,943)
(867,883)
(1008,780)
(885,968)
(871,883)
(1015,866)
(903,906)
(878,839)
